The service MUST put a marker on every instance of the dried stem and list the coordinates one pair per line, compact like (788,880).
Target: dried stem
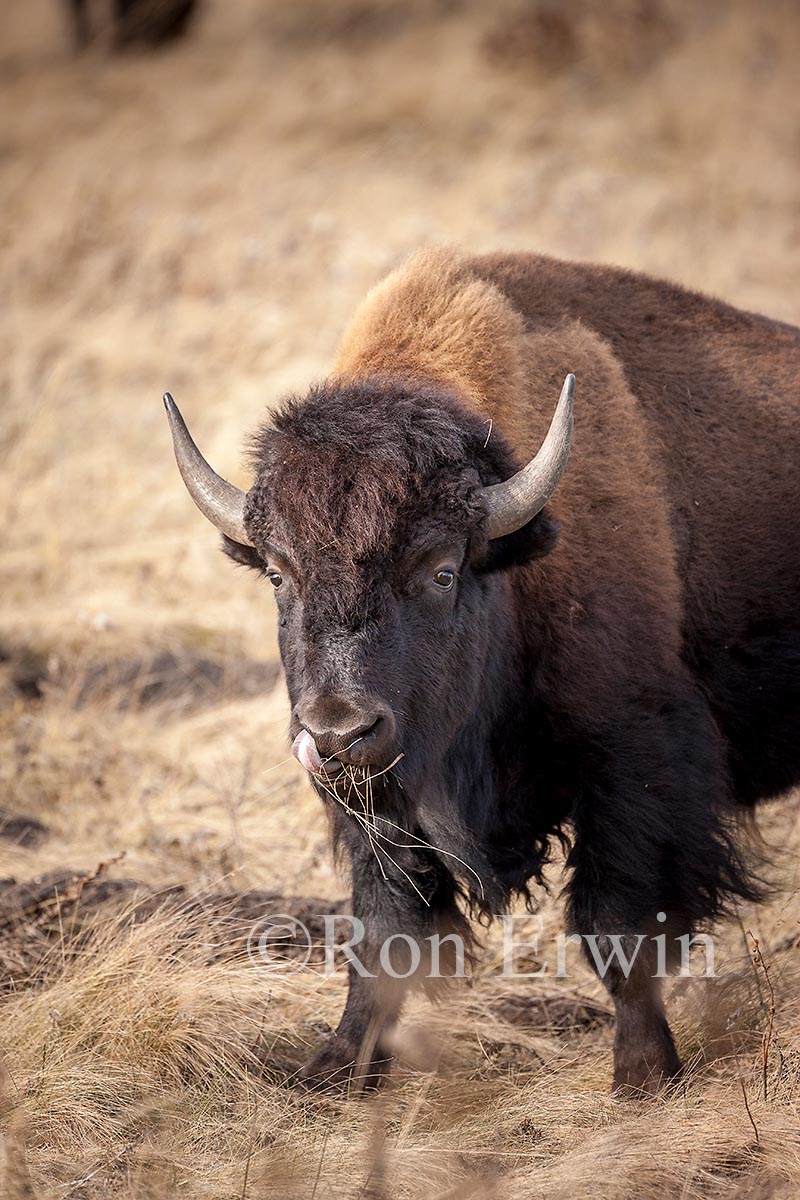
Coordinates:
(766,1040)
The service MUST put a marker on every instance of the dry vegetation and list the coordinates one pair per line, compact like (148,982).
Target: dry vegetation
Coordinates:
(204,220)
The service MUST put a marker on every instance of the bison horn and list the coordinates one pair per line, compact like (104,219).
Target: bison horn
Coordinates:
(516,501)
(217,499)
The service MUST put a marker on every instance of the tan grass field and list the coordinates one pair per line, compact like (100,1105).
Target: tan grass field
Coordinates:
(204,220)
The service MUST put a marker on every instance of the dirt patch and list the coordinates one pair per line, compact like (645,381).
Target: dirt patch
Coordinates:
(68,910)
(564,1013)
(25,831)
(180,679)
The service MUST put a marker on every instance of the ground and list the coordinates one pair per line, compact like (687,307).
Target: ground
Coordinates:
(204,220)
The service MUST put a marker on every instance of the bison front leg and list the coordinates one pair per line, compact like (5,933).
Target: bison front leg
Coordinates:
(356,1056)
(398,903)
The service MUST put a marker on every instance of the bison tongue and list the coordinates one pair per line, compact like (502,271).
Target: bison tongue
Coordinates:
(305,751)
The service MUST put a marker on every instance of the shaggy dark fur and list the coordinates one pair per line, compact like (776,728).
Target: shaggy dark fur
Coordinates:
(620,671)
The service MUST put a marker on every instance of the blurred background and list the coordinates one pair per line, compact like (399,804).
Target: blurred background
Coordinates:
(202,215)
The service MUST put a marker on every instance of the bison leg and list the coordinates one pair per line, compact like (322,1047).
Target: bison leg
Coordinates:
(388,903)
(645,1058)
(653,857)
(355,1056)
(619,942)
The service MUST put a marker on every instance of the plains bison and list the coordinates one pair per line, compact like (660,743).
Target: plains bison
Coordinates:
(478,663)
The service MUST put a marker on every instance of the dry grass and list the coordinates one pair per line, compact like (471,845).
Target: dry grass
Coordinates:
(204,221)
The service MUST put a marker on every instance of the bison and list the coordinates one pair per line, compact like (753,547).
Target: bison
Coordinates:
(484,658)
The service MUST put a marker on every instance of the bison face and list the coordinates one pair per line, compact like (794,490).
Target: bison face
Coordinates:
(383,517)
(383,658)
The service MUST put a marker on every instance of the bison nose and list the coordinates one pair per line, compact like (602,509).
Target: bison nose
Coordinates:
(346,732)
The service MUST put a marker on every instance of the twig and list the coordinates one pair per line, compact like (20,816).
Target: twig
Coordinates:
(747,1107)
(250,1149)
(756,975)
(321,1161)
(766,1039)
(744,1089)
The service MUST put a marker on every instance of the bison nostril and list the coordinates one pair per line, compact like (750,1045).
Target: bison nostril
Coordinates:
(353,744)
(335,731)
(369,731)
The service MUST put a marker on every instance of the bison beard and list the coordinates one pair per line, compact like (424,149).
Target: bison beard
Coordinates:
(615,673)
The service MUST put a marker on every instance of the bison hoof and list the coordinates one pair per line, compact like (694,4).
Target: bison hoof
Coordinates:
(340,1067)
(646,1074)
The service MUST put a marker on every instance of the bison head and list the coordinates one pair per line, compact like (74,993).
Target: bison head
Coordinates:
(383,517)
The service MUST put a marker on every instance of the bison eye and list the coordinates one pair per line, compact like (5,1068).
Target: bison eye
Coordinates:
(275,578)
(444,579)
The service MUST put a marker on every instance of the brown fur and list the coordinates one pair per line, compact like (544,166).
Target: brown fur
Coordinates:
(692,501)
(622,683)
(434,319)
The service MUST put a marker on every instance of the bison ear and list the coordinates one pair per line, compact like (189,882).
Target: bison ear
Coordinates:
(246,556)
(531,541)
